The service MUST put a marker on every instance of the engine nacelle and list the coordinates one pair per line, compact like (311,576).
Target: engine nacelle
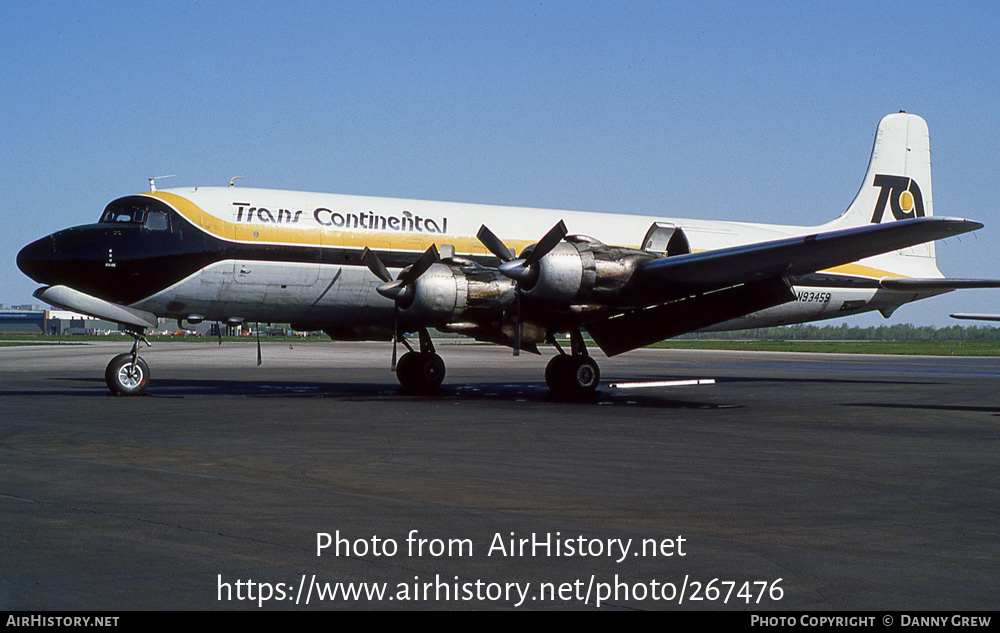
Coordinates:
(583,270)
(448,292)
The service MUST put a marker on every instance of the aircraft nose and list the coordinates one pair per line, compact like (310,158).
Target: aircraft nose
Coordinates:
(37,259)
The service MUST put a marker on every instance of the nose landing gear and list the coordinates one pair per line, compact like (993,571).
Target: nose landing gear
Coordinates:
(127,374)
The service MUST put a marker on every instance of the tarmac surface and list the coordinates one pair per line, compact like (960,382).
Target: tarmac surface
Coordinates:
(798,481)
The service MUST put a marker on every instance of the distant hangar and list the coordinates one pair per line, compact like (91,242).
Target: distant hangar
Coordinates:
(32,319)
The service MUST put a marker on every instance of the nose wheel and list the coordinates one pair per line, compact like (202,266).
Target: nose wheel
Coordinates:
(127,374)
(127,377)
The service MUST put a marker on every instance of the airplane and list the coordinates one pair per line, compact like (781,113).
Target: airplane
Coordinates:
(369,268)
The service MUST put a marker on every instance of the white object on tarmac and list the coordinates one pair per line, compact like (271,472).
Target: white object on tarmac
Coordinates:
(662,383)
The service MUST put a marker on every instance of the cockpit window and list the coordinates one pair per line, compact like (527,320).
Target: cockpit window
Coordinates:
(137,210)
(124,214)
(156,221)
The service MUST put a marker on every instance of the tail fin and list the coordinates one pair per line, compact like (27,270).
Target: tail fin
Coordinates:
(897,185)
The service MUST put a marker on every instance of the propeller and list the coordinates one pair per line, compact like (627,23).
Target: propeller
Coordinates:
(259,359)
(526,270)
(523,270)
(400,289)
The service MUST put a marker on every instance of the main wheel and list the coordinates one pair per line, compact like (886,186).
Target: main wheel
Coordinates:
(431,372)
(573,377)
(125,378)
(584,376)
(405,373)
(420,372)
(556,372)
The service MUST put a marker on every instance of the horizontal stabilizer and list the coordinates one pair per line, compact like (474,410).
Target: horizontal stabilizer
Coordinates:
(69,299)
(977,317)
(935,285)
(800,255)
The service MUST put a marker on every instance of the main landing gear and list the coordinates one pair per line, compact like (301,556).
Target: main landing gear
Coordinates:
(572,376)
(423,371)
(127,374)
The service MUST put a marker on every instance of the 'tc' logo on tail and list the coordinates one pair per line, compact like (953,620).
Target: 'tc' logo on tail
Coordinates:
(903,196)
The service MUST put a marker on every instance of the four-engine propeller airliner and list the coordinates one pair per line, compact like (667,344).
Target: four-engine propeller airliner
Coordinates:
(363,268)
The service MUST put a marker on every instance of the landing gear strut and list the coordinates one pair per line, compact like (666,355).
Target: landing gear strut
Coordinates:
(423,371)
(127,374)
(572,376)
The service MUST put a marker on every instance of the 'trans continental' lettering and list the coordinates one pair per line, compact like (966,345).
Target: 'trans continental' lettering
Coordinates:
(537,544)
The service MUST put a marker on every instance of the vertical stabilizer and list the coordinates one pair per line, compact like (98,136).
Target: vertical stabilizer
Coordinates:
(897,185)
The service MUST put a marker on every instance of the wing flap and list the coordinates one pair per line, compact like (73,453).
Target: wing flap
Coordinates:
(638,328)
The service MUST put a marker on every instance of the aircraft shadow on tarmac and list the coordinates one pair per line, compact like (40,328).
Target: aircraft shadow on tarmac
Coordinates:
(469,392)
(832,381)
(927,407)
(472,392)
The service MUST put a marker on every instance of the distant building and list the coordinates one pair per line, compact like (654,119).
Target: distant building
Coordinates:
(32,319)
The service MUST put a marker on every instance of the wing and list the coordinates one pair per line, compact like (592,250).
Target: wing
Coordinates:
(800,255)
(693,291)
(70,299)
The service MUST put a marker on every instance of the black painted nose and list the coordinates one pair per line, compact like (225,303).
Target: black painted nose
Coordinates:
(37,259)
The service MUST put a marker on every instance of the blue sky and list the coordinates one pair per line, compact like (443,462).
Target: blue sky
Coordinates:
(751,111)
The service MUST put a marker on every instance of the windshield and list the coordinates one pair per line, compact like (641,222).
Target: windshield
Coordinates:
(137,210)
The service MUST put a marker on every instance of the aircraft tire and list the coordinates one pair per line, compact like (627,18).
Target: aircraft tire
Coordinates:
(430,372)
(556,373)
(584,376)
(420,372)
(572,377)
(404,370)
(125,379)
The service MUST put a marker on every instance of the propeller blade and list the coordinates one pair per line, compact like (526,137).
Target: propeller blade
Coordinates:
(259,359)
(546,244)
(420,266)
(494,245)
(395,336)
(517,325)
(374,264)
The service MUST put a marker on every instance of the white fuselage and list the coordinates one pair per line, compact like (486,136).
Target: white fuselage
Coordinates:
(312,292)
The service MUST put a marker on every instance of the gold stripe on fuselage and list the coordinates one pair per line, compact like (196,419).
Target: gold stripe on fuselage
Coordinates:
(295,236)
(857,270)
(320,237)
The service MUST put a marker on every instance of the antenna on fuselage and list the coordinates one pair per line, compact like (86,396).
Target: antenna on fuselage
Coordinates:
(152,181)
(232,181)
